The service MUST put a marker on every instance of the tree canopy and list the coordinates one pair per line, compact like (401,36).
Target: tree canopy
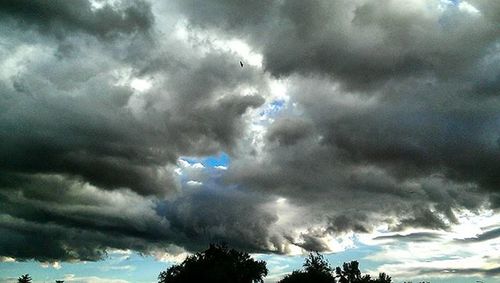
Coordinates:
(26,278)
(317,269)
(217,264)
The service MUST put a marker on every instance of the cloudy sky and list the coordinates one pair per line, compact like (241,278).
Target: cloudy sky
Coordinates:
(365,129)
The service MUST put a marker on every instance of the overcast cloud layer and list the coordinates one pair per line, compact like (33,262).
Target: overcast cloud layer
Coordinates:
(389,116)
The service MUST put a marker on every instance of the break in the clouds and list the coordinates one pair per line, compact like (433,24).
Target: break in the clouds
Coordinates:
(346,117)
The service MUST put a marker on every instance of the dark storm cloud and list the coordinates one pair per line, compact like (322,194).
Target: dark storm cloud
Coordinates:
(393,118)
(310,243)
(62,17)
(399,129)
(353,222)
(288,131)
(218,215)
(400,103)
(50,218)
(495,201)
(86,158)
(359,42)
(227,14)
(423,218)
(411,150)
(88,137)
(68,116)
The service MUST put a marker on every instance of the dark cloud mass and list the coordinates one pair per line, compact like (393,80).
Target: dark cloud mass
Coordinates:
(51,218)
(391,117)
(361,42)
(62,17)
(79,147)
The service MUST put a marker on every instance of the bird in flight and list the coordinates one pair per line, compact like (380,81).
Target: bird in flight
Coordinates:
(241,64)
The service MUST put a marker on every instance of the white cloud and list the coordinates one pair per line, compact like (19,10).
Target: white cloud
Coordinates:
(170,258)
(447,251)
(140,85)
(118,267)
(7,259)
(465,6)
(194,183)
(185,164)
(197,166)
(248,56)
(55,265)
(91,279)
(171,254)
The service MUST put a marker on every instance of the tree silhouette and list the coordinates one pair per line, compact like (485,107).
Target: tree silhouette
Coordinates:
(350,273)
(217,264)
(384,278)
(316,269)
(26,278)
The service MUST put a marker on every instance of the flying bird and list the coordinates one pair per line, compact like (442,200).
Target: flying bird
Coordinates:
(241,64)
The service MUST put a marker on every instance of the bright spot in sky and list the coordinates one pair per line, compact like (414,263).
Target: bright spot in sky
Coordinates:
(467,7)
(242,49)
(194,183)
(279,88)
(140,85)
(280,200)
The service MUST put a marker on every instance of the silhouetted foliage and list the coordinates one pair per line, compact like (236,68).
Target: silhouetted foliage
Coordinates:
(217,264)
(350,273)
(26,278)
(317,269)
(384,278)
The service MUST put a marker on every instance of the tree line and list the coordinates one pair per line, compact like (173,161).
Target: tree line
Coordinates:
(220,264)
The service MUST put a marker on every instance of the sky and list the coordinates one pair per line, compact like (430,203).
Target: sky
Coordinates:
(366,130)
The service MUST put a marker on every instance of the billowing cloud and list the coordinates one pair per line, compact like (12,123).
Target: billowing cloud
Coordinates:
(79,115)
(94,120)
(387,116)
(61,18)
(361,42)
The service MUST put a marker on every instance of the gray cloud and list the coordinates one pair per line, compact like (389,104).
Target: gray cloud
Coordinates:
(495,271)
(423,218)
(392,119)
(399,130)
(417,152)
(61,17)
(310,242)
(87,160)
(488,235)
(288,131)
(361,42)
(412,237)
(69,116)
(50,218)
